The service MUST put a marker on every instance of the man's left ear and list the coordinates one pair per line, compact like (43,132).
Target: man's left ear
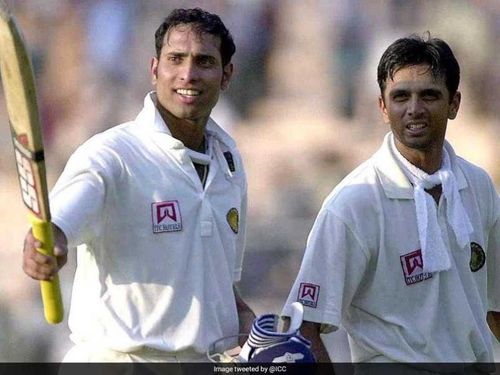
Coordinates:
(383,109)
(153,69)
(454,105)
(227,72)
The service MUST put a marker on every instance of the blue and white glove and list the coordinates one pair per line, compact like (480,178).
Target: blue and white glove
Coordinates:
(266,344)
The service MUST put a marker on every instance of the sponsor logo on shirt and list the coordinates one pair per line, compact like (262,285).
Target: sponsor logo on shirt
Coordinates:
(413,267)
(166,217)
(477,257)
(308,294)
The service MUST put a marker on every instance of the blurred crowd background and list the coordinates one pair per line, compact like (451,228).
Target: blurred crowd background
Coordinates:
(302,107)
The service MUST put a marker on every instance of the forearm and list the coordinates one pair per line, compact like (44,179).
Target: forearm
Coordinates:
(493,319)
(311,331)
(246,316)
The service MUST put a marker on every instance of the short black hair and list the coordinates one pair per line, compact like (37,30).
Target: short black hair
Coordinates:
(417,50)
(203,22)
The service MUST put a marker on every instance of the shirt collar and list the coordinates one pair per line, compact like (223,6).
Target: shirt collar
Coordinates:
(392,178)
(149,118)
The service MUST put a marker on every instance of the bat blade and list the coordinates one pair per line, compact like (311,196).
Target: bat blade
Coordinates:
(20,96)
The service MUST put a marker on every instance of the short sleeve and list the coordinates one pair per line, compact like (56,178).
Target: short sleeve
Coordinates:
(332,269)
(78,197)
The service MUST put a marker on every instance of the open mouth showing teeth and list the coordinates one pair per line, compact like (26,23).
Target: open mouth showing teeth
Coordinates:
(416,126)
(187,92)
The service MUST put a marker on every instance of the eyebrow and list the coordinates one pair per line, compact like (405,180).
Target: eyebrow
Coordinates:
(398,92)
(430,91)
(425,91)
(184,53)
(175,53)
(196,56)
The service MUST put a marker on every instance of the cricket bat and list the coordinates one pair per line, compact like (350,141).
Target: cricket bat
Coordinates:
(20,96)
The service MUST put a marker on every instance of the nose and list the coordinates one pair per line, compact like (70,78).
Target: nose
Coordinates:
(189,72)
(415,107)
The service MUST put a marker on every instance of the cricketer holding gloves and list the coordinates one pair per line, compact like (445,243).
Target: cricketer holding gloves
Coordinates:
(157,208)
(405,252)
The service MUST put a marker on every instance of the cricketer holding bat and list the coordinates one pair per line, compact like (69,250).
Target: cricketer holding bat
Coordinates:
(157,208)
(405,251)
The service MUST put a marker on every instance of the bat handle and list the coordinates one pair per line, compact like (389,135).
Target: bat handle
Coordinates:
(51,291)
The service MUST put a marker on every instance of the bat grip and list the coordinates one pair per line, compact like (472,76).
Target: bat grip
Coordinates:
(50,290)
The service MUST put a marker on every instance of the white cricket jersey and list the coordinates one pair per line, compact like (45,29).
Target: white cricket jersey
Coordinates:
(362,268)
(157,253)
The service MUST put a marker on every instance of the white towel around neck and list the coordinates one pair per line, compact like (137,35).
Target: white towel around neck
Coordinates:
(434,252)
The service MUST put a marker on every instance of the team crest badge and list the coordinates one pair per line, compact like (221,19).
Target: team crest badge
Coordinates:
(308,294)
(166,217)
(233,219)
(477,257)
(413,267)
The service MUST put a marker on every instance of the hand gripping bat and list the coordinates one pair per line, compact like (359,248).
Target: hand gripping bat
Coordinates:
(20,96)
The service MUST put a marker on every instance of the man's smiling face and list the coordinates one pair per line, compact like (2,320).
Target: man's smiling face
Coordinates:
(417,106)
(189,75)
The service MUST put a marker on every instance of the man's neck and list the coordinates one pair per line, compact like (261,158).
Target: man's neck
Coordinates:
(436,192)
(428,160)
(190,133)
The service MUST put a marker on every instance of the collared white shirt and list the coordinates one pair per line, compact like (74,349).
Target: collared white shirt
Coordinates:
(362,268)
(158,254)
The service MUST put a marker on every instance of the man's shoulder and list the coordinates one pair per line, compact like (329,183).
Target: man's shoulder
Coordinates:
(113,138)
(224,138)
(471,170)
(477,178)
(104,150)
(356,190)
(227,146)
(482,188)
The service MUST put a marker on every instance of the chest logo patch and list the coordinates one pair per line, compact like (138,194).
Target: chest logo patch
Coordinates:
(308,294)
(233,219)
(166,217)
(413,267)
(477,257)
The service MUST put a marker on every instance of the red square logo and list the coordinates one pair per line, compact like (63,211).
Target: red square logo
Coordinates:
(308,294)
(413,267)
(166,217)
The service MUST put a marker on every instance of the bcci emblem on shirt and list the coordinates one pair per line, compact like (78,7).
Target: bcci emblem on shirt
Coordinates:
(233,219)
(477,257)
(166,217)
(413,267)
